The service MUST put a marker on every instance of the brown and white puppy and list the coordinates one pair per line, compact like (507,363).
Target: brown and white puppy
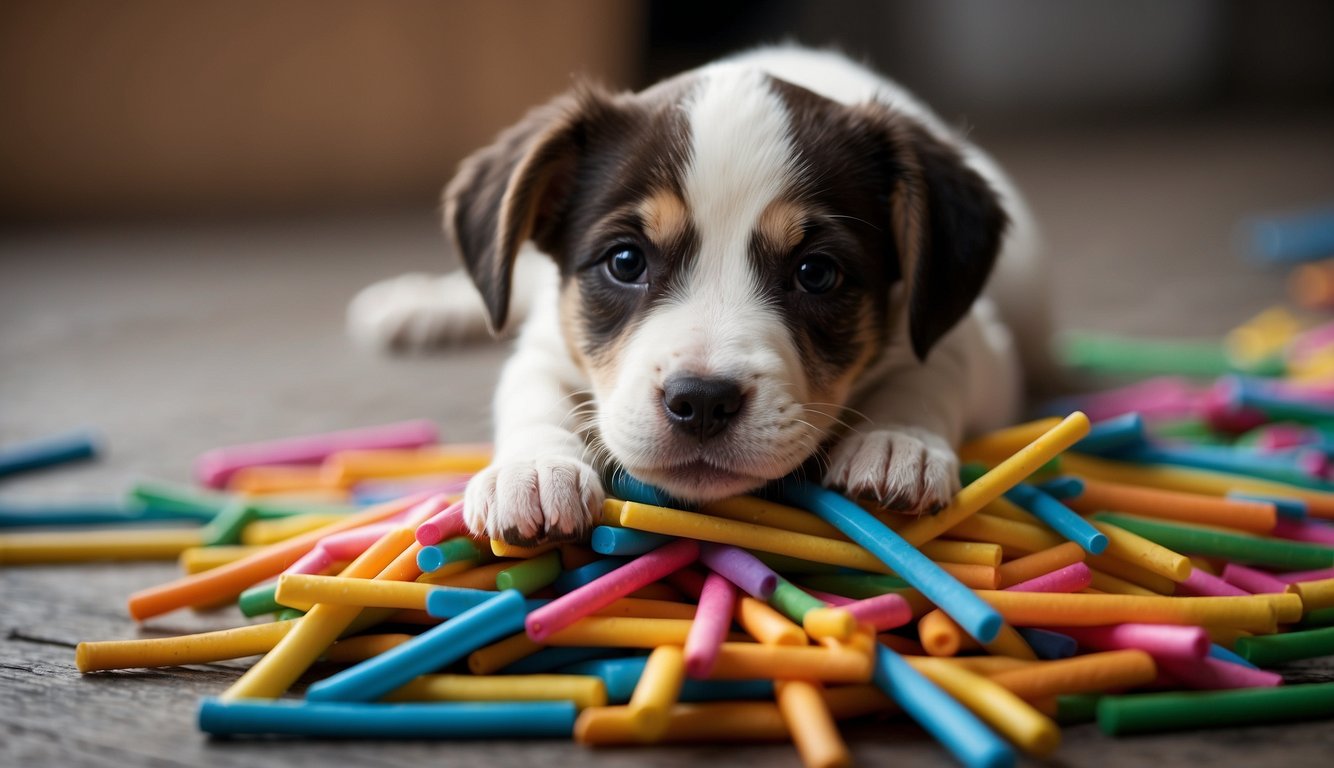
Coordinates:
(771,262)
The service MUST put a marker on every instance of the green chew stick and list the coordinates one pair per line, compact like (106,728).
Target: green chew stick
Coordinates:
(1238,547)
(1268,650)
(1144,713)
(793,603)
(530,575)
(859,586)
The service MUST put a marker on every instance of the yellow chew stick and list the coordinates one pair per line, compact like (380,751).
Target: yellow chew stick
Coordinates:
(748,509)
(482,577)
(1000,479)
(753,661)
(316,631)
(264,532)
(656,692)
(1132,573)
(268,480)
(675,522)
(963,552)
(505,549)
(584,690)
(1009,714)
(199,559)
(1254,613)
(1138,550)
(87,546)
(641,608)
(1315,594)
(994,446)
(766,624)
(811,725)
(501,654)
(733,721)
(1090,673)
(1042,561)
(987,665)
(362,647)
(618,632)
(203,648)
(348,467)
(297,589)
(1112,585)
(1021,537)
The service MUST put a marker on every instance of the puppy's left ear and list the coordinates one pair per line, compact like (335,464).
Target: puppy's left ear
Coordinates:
(948,223)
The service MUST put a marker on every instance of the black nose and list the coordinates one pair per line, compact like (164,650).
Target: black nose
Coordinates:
(698,406)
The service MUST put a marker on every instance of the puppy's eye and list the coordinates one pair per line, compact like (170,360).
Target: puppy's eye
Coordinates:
(817,274)
(627,264)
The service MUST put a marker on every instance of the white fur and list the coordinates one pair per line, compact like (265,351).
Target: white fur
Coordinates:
(907,416)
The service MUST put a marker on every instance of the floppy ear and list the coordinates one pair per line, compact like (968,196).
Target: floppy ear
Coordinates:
(948,223)
(515,190)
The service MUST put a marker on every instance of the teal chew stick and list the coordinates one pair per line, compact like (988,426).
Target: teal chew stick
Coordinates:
(81,513)
(530,575)
(625,542)
(202,505)
(446,720)
(436,556)
(1268,650)
(957,729)
(46,452)
(1145,713)
(792,602)
(1238,547)
(434,649)
(967,609)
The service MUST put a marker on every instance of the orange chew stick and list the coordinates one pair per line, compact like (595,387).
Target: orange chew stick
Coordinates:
(1103,496)
(1090,673)
(228,581)
(1040,562)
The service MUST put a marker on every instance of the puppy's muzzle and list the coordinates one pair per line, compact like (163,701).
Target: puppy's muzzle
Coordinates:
(701,407)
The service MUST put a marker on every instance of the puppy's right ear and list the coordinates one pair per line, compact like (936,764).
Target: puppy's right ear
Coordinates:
(516,190)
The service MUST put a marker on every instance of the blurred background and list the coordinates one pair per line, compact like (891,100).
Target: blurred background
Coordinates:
(158,109)
(191,192)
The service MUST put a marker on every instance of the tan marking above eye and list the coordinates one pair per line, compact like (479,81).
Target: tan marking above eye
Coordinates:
(664,217)
(781,225)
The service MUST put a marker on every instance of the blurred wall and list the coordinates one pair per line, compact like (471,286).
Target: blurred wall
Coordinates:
(186,107)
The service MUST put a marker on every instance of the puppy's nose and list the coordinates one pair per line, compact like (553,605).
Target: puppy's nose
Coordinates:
(699,406)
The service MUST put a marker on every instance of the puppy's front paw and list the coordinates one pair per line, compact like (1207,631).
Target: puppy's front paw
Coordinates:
(529,502)
(416,311)
(906,469)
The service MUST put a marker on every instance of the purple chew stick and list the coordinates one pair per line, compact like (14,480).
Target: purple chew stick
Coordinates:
(741,568)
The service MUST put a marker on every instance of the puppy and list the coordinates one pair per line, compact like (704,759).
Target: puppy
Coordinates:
(771,263)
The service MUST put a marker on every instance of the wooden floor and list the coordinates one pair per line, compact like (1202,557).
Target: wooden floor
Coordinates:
(171,340)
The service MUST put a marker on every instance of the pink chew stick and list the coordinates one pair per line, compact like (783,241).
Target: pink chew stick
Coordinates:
(1158,640)
(1313,531)
(887,611)
(603,591)
(427,510)
(1215,674)
(1253,581)
(1071,578)
(442,525)
(216,466)
(1318,574)
(713,618)
(350,544)
(1203,584)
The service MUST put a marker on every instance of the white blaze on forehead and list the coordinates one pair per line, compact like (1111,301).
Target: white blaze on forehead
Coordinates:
(741,159)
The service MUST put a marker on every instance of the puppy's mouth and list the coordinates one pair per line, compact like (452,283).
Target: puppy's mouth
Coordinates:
(698,480)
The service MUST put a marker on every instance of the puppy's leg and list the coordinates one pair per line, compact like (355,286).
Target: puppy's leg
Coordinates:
(541,485)
(419,311)
(900,448)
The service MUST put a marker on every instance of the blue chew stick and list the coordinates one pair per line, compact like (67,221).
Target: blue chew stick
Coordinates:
(975,745)
(449,720)
(449,602)
(435,648)
(1059,517)
(46,452)
(976,617)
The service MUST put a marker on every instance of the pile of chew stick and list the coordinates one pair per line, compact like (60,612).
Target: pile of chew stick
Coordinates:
(1078,575)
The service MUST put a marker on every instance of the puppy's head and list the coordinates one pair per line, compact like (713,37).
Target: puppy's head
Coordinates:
(735,252)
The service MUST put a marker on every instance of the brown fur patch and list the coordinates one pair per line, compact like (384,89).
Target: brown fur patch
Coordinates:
(664,217)
(781,225)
